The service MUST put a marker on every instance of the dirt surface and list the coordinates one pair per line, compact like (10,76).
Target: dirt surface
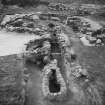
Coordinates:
(34,90)
(11,80)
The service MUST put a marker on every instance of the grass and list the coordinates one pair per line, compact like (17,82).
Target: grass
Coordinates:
(11,76)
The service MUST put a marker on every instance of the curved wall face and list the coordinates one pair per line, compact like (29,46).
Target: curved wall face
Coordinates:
(53,84)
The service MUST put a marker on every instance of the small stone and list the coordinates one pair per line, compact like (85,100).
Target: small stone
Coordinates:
(87,80)
(55,94)
(92,39)
(59,93)
(98,41)
(23,83)
(35,17)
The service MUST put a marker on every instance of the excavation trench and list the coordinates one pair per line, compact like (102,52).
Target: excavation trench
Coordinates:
(54,86)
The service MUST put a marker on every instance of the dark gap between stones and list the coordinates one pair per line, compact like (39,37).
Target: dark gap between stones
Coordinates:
(54,86)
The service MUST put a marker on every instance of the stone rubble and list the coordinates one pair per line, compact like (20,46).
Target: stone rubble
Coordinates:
(23,23)
(77,71)
(35,53)
(92,31)
(70,9)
